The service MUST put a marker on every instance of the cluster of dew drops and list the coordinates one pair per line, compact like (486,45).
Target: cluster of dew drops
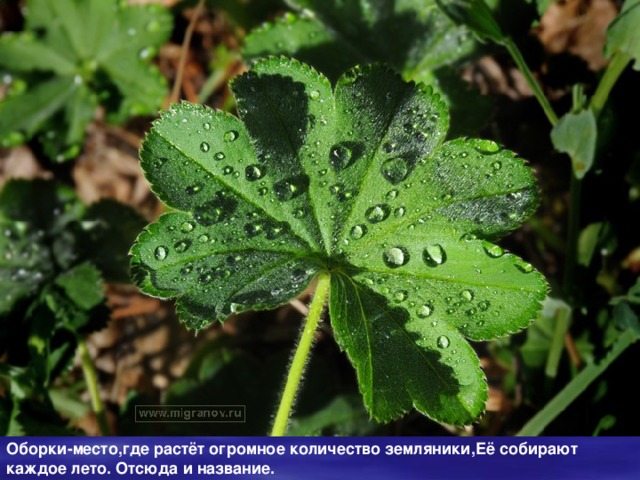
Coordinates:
(394,170)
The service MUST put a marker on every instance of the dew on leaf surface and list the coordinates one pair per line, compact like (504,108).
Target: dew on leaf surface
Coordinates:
(378,213)
(434,255)
(395,257)
(160,253)
(230,136)
(395,170)
(443,341)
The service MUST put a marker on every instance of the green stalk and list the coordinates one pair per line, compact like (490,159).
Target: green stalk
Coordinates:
(562,319)
(91,378)
(615,68)
(575,387)
(531,80)
(300,358)
(573,232)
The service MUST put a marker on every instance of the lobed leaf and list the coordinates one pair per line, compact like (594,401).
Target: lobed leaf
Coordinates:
(358,182)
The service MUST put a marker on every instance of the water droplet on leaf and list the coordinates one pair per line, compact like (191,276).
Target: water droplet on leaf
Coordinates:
(425,310)
(230,136)
(400,296)
(182,246)
(161,253)
(252,229)
(492,250)
(395,257)
(358,232)
(395,170)
(466,295)
(254,172)
(340,157)
(523,266)
(377,213)
(443,341)
(434,255)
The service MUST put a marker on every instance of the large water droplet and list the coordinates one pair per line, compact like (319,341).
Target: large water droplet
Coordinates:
(219,156)
(208,214)
(434,255)
(161,253)
(230,136)
(395,170)
(399,212)
(391,194)
(182,246)
(206,126)
(203,238)
(314,94)
(492,250)
(466,295)
(358,232)
(254,172)
(340,157)
(204,146)
(285,190)
(443,341)
(425,310)
(523,266)
(395,257)
(400,296)
(378,213)
(186,227)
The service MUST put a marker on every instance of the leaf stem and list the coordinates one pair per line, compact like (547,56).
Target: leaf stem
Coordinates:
(573,231)
(575,387)
(184,51)
(562,319)
(300,358)
(615,68)
(91,378)
(533,83)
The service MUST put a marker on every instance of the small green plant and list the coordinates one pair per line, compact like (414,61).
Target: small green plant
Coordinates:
(54,252)
(354,188)
(73,56)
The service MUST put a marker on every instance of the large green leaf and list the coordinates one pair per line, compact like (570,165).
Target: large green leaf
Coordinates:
(357,182)
(94,49)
